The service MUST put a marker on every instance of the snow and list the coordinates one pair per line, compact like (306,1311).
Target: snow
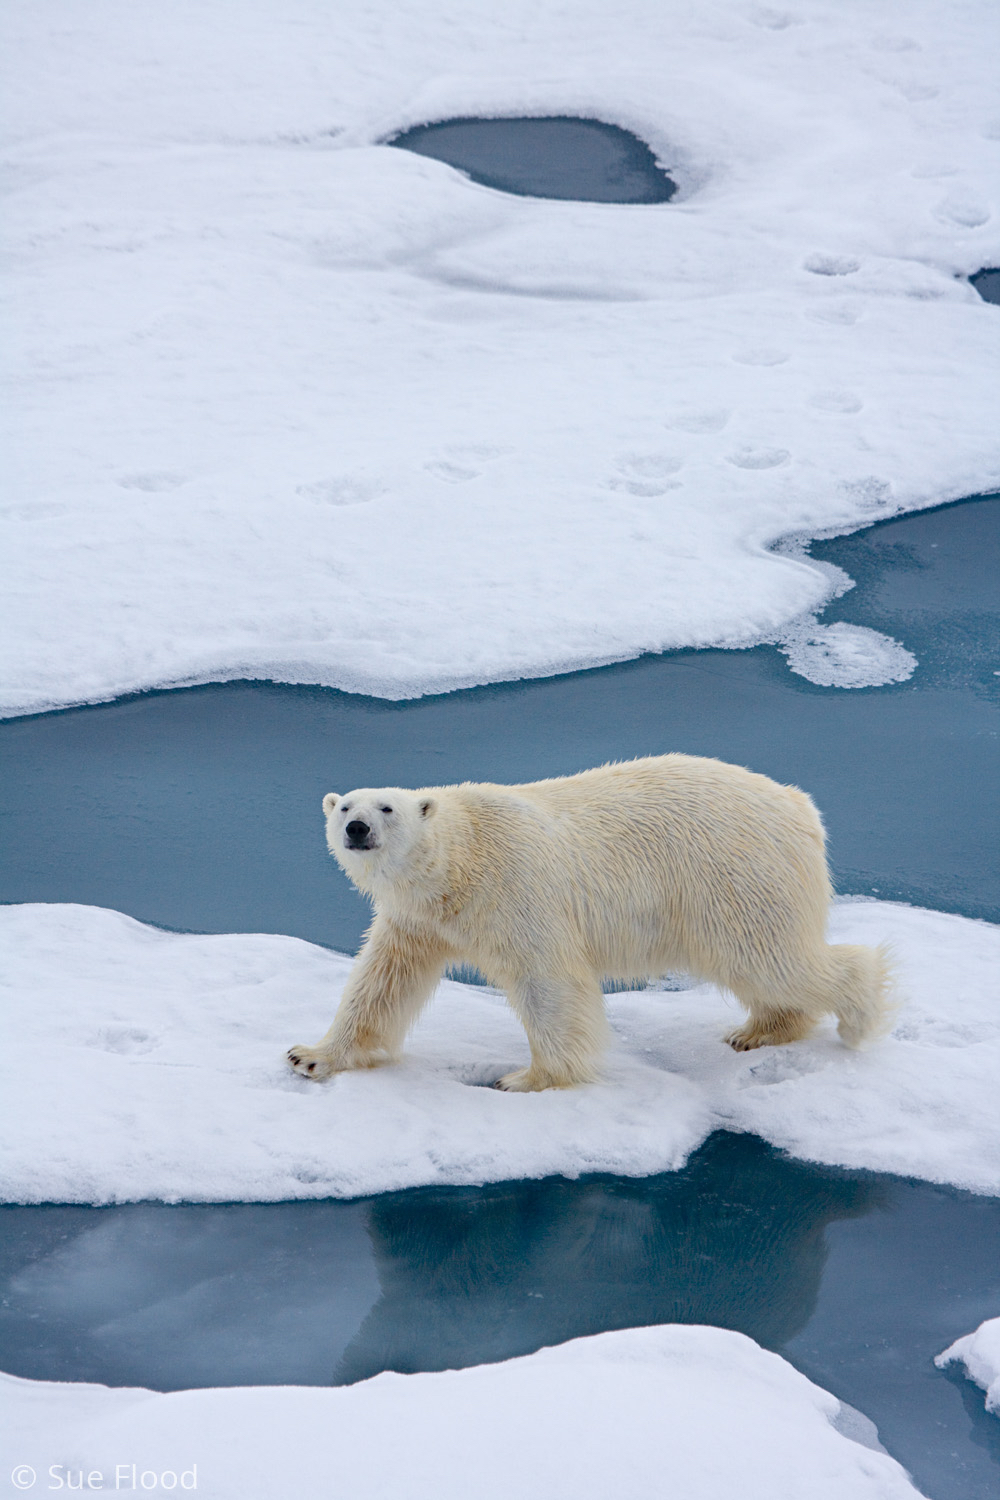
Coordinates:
(979,1352)
(140,1064)
(846,656)
(639,1412)
(286,402)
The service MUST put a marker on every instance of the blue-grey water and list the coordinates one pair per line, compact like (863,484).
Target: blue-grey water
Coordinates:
(858,1279)
(987,283)
(200,809)
(552,156)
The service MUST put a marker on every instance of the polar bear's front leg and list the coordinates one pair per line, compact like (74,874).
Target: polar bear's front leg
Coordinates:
(567,1032)
(393,978)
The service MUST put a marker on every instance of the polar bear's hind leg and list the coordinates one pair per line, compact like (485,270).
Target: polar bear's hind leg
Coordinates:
(862,987)
(850,981)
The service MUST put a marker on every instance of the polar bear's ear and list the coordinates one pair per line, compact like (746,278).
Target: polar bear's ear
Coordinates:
(330,801)
(428,807)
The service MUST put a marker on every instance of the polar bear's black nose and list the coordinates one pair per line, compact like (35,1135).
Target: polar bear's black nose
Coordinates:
(357,834)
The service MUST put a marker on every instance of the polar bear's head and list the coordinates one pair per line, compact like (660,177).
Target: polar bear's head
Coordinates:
(373,832)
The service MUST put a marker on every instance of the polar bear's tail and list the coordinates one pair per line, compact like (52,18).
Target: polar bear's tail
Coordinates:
(864,983)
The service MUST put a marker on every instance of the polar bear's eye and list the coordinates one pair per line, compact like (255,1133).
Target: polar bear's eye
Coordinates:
(386,809)
(346,807)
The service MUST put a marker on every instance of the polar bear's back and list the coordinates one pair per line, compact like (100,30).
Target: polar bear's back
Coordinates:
(691,802)
(661,862)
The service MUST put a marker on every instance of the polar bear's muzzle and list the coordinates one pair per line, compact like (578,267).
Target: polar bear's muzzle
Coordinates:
(358,835)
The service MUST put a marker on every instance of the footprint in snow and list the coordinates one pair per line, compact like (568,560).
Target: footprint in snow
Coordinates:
(962,208)
(125,1040)
(870,492)
(709,419)
(462,461)
(452,473)
(844,402)
(646,473)
(782,1066)
(758,458)
(761,354)
(831,265)
(154,483)
(345,489)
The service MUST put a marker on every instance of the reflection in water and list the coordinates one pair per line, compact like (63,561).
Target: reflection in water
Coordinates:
(429,1279)
(735,1239)
(177,1296)
(859,1279)
(552,156)
(199,809)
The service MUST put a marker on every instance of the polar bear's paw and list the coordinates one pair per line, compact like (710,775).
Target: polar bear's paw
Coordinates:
(520,1082)
(776,1029)
(745,1038)
(310,1062)
(531,1080)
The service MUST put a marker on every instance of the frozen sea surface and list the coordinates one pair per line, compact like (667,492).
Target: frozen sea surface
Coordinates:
(701,1412)
(288,402)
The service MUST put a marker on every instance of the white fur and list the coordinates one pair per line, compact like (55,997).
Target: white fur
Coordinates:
(625,872)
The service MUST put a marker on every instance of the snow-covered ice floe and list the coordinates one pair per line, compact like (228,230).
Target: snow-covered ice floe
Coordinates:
(979,1352)
(693,1411)
(289,402)
(140,1064)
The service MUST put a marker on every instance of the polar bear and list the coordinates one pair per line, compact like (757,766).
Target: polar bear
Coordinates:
(674,862)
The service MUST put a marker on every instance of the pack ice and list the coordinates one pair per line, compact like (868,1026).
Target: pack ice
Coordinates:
(288,402)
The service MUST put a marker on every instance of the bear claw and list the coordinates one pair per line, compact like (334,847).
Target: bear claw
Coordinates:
(531,1081)
(306,1062)
(515,1083)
